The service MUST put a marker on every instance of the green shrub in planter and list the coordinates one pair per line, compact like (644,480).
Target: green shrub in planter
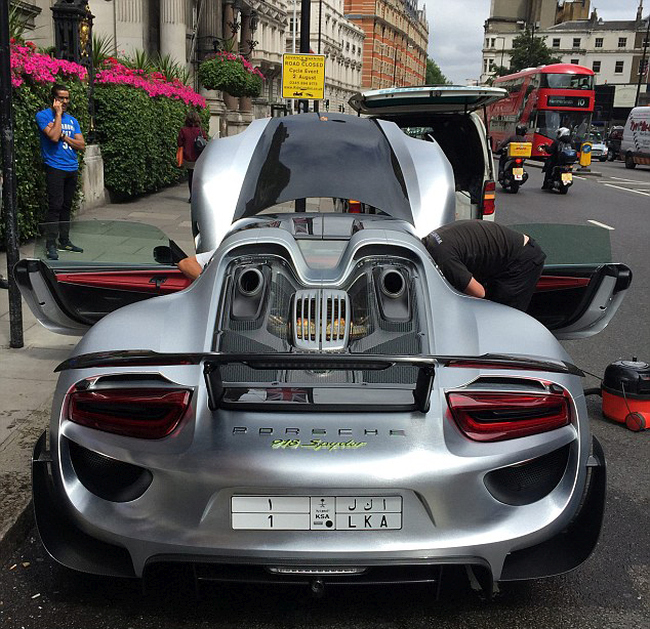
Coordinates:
(137,134)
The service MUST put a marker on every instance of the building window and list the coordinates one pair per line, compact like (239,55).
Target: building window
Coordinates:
(622,42)
(575,62)
(493,42)
(556,42)
(485,65)
(618,68)
(595,66)
(599,42)
(576,42)
(487,42)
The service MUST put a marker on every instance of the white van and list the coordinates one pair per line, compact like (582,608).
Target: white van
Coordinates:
(448,115)
(635,145)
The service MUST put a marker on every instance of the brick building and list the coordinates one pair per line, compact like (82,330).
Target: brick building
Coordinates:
(396,40)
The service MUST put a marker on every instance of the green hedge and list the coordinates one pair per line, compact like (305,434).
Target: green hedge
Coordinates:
(137,135)
(31,198)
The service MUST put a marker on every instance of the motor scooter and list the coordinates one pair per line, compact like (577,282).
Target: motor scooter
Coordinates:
(514,175)
(560,177)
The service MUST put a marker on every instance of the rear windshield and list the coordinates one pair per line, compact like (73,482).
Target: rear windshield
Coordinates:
(568,81)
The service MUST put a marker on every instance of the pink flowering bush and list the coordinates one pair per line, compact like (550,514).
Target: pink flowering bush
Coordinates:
(153,83)
(29,65)
(232,73)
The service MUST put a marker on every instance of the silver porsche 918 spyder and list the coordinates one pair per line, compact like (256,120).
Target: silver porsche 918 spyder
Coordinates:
(320,404)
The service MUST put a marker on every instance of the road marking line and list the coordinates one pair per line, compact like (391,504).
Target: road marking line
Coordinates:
(625,179)
(578,177)
(611,185)
(601,225)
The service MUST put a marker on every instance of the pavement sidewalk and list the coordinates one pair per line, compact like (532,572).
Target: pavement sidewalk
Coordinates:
(27,380)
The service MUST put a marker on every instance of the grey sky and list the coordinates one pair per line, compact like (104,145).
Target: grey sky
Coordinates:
(456,31)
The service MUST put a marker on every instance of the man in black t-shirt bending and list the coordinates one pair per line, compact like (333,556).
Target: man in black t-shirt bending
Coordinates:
(485,259)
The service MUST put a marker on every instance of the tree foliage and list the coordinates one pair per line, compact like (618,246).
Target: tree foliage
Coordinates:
(434,74)
(529,51)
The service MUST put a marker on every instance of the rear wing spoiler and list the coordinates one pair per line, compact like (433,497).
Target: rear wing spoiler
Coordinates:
(213,361)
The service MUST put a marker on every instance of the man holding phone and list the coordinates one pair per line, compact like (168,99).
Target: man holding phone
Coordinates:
(61,138)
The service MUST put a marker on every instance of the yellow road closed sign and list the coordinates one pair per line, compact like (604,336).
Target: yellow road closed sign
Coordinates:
(303,76)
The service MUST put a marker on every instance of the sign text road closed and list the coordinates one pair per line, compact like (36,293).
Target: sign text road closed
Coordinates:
(303,76)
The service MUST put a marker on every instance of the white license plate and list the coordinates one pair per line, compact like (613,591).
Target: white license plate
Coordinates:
(518,173)
(316,513)
(567,177)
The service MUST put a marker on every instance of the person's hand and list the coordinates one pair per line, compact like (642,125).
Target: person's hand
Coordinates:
(57,105)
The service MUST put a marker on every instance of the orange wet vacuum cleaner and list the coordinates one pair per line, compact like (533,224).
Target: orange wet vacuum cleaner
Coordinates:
(626,393)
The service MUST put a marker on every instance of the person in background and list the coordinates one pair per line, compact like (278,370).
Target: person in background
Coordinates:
(563,140)
(487,260)
(186,142)
(61,139)
(519,136)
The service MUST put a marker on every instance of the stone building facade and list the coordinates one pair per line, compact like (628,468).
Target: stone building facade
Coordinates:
(188,30)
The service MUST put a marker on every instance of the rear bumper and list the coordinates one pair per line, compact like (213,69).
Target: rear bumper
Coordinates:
(567,550)
(72,547)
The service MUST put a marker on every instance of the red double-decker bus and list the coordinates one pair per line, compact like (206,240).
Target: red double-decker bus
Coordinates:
(544,99)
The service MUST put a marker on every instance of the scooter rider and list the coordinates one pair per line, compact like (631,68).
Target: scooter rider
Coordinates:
(519,136)
(563,138)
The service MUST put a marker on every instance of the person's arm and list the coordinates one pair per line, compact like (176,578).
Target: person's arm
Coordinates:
(77,143)
(475,289)
(53,130)
(190,267)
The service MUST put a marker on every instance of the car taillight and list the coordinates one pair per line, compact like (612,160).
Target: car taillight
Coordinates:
(488,197)
(518,161)
(500,416)
(142,413)
(354,207)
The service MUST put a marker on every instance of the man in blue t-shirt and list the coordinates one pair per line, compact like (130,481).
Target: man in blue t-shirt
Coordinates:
(61,138)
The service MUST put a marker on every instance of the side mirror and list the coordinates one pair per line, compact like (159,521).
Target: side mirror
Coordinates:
(163,254)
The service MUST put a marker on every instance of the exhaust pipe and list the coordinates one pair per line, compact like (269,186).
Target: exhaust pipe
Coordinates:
(392,283)
(250,282)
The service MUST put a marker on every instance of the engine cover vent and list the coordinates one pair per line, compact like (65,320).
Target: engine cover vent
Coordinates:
(321,319)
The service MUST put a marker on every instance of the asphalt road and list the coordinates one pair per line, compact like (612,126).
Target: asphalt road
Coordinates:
(610,591)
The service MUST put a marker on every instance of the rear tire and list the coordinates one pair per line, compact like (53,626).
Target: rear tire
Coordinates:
(563,189)
(514,188)
(629,162)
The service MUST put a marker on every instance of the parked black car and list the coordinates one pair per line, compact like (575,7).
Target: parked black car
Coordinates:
(614,143)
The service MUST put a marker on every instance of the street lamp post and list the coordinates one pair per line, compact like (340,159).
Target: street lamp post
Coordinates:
(8,187)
